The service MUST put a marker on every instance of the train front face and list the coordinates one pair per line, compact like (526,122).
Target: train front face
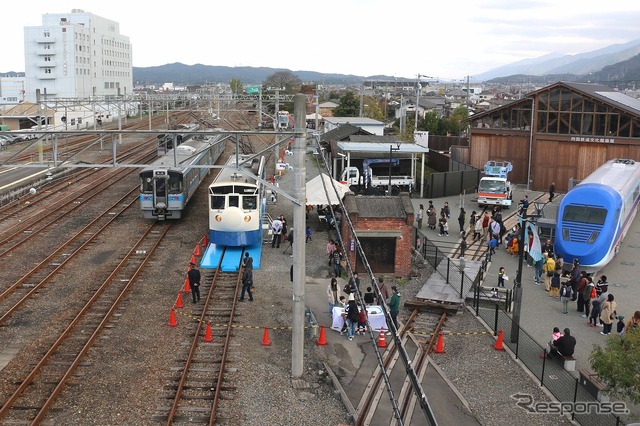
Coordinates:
(234,215)
(588,226)
(161,194)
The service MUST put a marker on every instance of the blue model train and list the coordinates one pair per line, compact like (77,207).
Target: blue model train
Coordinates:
(237,203)
(167,185)
(594,217)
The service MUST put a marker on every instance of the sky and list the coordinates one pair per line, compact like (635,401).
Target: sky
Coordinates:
(403,38)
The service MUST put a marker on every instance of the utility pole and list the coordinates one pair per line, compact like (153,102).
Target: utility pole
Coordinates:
(300,191)
(361,101)
(517,284)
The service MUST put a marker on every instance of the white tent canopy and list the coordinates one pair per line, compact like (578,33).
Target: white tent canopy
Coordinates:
(316,191)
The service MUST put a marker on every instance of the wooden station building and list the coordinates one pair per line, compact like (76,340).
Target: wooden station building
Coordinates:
(562,131)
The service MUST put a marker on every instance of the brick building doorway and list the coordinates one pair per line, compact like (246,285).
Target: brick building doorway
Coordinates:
(380,253)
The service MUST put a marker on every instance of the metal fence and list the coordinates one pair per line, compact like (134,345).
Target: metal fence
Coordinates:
(550,372)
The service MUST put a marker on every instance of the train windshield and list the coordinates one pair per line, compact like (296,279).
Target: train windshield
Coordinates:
(217,202)
(146,182)
(175,183)
(585,214)
(249,202)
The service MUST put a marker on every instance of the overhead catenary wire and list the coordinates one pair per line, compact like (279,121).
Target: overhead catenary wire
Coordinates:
(415,382)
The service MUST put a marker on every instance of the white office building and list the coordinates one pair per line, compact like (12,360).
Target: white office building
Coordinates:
(77,55)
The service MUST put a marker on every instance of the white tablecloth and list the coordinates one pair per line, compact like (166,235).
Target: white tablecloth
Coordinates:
(375,315)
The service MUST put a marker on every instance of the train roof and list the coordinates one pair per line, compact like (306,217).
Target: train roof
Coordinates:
(620,174)
(185,153)
(254,165)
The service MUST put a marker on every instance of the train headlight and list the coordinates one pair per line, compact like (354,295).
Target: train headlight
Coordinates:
(565,234)
(218,218)
(593,237)
(247,218)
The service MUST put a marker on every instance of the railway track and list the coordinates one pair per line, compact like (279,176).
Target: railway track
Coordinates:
(203,383)
(401,405)
(37,391)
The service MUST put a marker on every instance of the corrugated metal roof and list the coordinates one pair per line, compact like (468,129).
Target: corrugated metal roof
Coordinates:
(356,121)
(405,148)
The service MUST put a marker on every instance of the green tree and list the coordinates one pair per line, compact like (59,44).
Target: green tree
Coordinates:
(373,108)
(349,106)
(236,86)
(618,365)
(284,79)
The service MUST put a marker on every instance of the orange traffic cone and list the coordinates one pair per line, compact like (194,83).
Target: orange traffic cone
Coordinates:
(440,344)
(322,340)
(172,318)
(197,250)
(498,345)
(193,258)
(265,337)
(205,241)
(179,300)
(207,334)
(382,342)
(187,287)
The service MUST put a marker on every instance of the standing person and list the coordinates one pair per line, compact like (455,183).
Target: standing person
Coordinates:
(463,245)
(576,275)
(608,314)
(548,247)
(552,191)
(595,312)
(332,295)
(194,282)
(354,282)
(555,285)
(285,229)
(384,291)
(337,257)
(587,293)
(582,284)
(419,216)
(462,219)
(276,229)
(394,306)
(549,270)
(602,285)
(477,229)
(524,206)
(565,296)
(446,210)
(486,219)
(353,317)
(502,276)
(495,229)
(247,262)
(472,223)
(307,233)
(492,244)
(369,297)
(431,218)
(331,247)
(247,283)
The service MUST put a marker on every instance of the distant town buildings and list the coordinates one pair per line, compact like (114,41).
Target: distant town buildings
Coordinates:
(77,55)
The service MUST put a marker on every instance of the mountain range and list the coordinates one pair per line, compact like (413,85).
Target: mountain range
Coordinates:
(617,65)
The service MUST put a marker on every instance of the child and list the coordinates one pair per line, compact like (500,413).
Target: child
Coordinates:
(555,336)
(620,325)
(344,321)
(501,277)
(565,296)
(595,312)
(307,232)
(492,244)
(555,285)
(362,322)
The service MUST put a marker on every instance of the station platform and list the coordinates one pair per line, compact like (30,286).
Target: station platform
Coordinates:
(232,257)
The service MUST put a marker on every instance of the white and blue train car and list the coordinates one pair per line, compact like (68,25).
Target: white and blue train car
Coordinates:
(236,203)
(167,184)
(594,217)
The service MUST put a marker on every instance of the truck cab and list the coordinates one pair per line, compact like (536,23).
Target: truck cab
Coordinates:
(494,188)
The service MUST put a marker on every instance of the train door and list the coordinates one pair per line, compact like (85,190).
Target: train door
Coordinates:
(160,191)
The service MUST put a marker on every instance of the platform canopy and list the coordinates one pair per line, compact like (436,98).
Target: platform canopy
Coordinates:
(316,190)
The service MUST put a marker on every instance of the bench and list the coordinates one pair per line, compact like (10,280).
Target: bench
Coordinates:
(593,385)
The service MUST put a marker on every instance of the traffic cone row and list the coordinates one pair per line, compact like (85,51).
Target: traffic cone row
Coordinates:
(498,346)
(322,340)
(265,337)
(382,342)
(207,334)
(440,344)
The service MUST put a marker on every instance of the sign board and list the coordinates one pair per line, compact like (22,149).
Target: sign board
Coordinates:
(253,90)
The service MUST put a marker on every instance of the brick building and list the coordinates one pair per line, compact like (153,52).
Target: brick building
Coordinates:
(384,227)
